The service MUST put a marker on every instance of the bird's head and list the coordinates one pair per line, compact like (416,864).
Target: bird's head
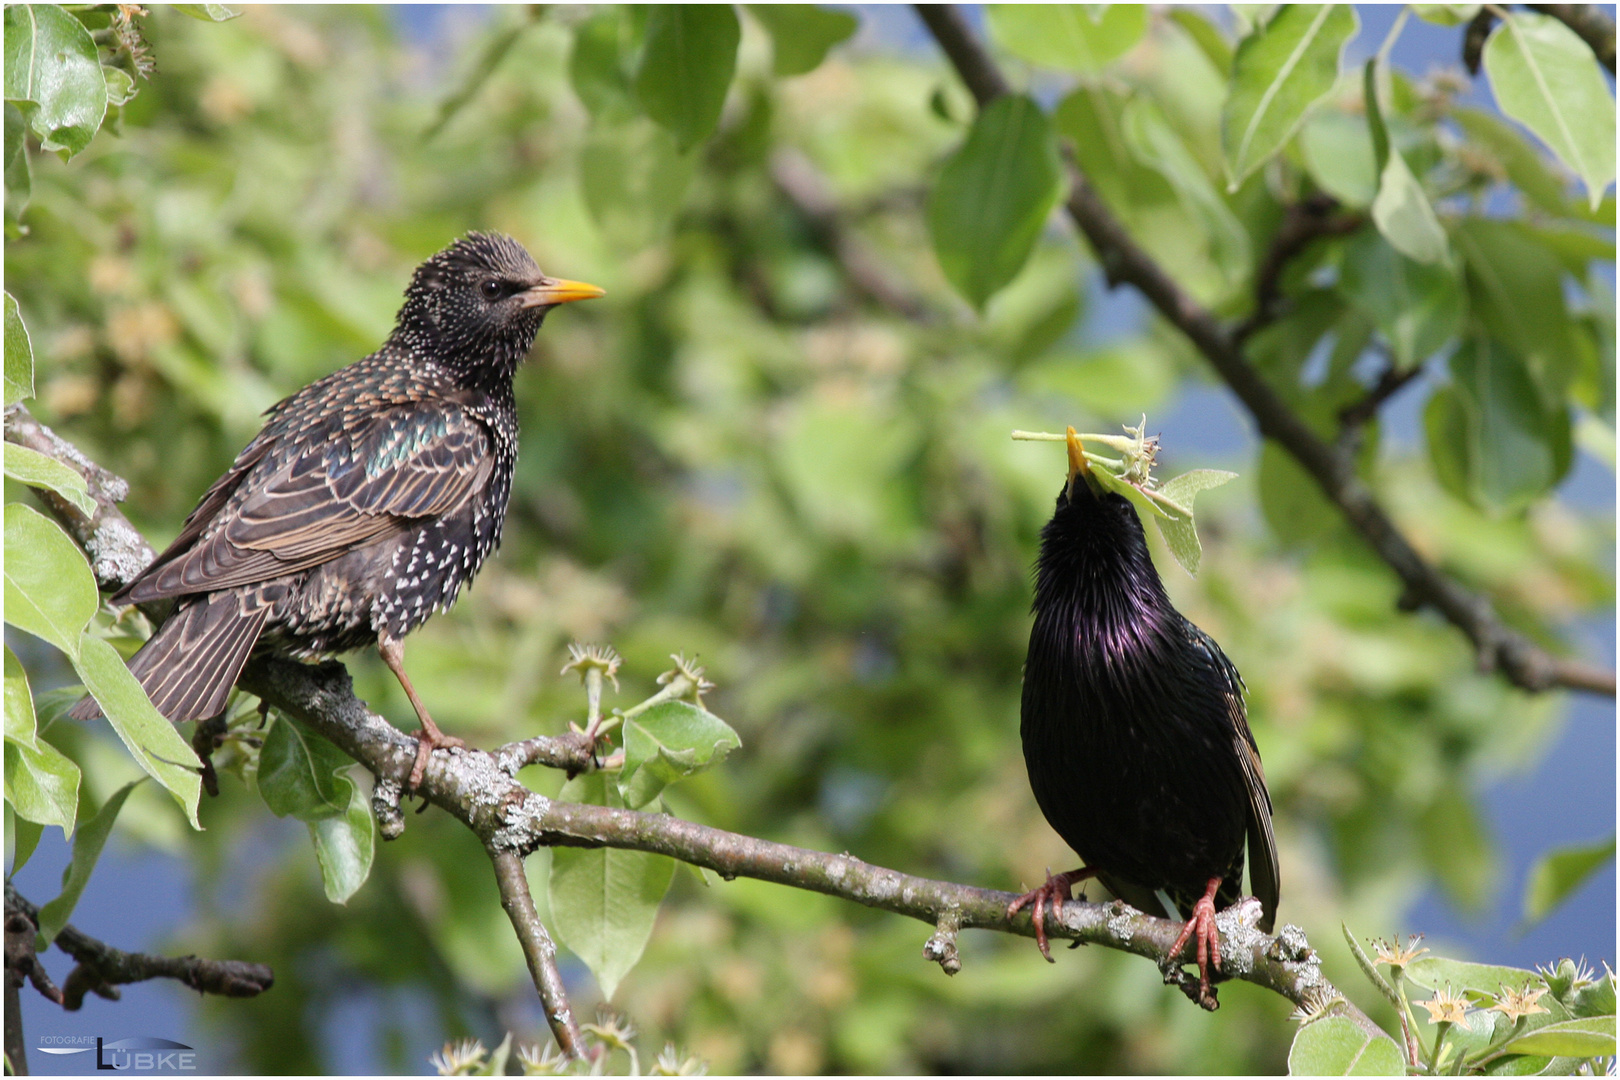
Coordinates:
(476,305)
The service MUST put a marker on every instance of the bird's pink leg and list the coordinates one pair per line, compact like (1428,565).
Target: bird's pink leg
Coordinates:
(1202,928)
(429,738)
(1054,892)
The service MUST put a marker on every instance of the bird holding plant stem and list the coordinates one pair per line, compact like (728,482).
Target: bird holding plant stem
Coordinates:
(1135,733)
(366,502)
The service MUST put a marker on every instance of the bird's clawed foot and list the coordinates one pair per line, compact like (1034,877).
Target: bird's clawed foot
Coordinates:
(1201,929)
(428,739)
(1053,893)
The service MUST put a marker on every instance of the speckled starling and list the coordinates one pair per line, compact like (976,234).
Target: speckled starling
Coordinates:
(1135,733)
(366,502)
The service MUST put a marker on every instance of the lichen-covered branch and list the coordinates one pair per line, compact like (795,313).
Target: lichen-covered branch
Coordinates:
(538,950)
(117,551)
(1499,647)
(480,790)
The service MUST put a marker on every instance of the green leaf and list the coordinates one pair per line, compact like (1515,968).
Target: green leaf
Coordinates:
(605,900)
(1154,143)
(53,74)
(1502,448)
(1093,120)
(668,742)
(1280,72)
(86,850)
(1207,36)
(19,364)
(993,197)
(843,466)
(344,844)
(801,34)
(22,838)
(36,470)
(686,68)
(480,72)
(1559,873)
(1175,520)
(1338,153)
(1437,972)
(1445,14)
(633,179)
(19,173)
(120,85)
(1403,214)
(1338,1046)
(1595,998)
(1417,307)
(1457,846)
(1081,38)
(1516,291)
(1375,113)
(1526,169)
(19,703)
(303,774)
(1548,79)
(595,67)
(150,738)
(1291,501)
(1584,1038)
(208,12)
(50,591)
(42,784)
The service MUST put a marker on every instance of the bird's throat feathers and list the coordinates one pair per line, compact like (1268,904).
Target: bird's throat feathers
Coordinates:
(1095,583)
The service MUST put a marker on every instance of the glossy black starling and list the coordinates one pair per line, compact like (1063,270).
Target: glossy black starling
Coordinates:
(367,501)
(1135,732)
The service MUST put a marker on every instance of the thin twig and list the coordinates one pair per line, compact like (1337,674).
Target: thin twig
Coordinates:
(573,752)
(1354,417)
(1303,223)
(102,969)
(805,187)
(538,950)
(1498,646)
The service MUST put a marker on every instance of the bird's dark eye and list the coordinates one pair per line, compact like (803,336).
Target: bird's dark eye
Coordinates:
(492,290)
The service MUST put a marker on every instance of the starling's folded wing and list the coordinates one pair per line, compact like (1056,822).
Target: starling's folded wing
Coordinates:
(1262,843)
(1263,875)
(395,468)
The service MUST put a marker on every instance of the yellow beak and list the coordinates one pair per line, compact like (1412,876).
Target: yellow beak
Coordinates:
(559,291)
(1078,465)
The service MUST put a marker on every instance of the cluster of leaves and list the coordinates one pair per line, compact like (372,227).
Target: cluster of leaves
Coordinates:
(1486,1020)
(1439,273)
(604,900)
(67,74)
(741,451)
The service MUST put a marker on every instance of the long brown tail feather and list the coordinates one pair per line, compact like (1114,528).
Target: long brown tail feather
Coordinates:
(189,666)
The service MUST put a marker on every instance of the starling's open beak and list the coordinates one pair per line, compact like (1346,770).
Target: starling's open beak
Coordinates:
(1079,466)
(559,291)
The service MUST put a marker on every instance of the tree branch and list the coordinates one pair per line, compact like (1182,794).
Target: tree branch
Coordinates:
(806,189)
(1303,223)
(1498,646)
(479,790)
(102,969)
(538,951)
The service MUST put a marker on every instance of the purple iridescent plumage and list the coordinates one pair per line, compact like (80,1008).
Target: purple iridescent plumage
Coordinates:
(1133,723)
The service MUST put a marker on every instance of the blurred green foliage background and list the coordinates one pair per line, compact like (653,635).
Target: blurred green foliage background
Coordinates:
(746,453)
